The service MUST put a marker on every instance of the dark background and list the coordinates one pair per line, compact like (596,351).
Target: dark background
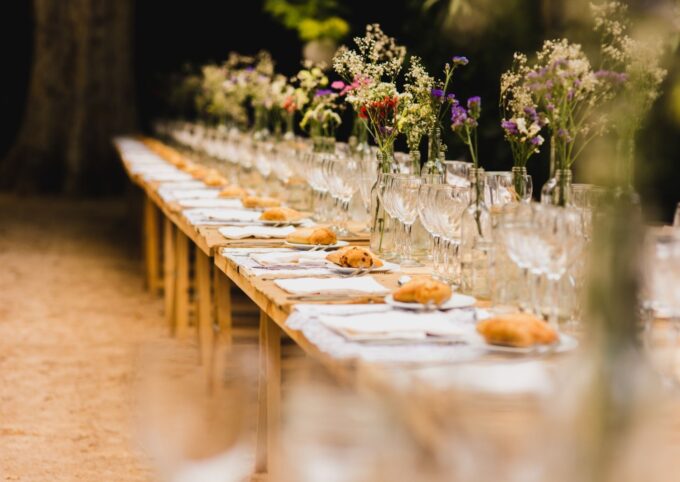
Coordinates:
(168,36)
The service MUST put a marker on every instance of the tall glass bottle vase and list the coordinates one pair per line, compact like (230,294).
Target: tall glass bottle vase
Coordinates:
(434,164)
(382,224)
(519,184)
(559,192)
(476,240)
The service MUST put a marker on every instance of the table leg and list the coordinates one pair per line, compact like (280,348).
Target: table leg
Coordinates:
(182,284)
(205,306)
(269,395)
(169,272)
(152,244)
(223,315)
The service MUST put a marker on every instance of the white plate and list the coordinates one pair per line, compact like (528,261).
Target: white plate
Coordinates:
(344,270)
(565,343)
(307,247)
(456,301)
(296,222)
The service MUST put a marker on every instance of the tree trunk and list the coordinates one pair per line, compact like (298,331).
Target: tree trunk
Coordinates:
(80,95)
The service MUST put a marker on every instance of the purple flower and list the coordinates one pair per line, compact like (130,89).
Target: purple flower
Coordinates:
(250,68)
(459,60)
(474,105)
(510,127)
(451,97)
(458,116)
(611,76)
(536,141)
(322,92)
(437,93)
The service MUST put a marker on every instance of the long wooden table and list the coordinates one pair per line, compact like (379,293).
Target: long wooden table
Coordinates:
(169,242)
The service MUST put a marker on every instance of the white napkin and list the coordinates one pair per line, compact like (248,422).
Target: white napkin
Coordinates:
(303,286)
(210,203)
(167,176)
(306,258)
(240,232)
(397,323)
(201,193)
(219,214)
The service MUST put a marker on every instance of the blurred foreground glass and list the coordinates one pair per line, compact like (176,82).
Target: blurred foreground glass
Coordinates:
(676,217)
(197,426)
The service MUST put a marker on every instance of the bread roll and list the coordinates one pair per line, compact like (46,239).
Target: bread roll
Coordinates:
(518,330)
(281,214)
(260,202)
(233,192)
(423,290)
(354,257)
(322,236)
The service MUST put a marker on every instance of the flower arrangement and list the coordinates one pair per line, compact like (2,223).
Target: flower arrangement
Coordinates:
(371,71)
(564,84)
(321,116)
(417,114)
(464,122)
(521,122)
(637,65)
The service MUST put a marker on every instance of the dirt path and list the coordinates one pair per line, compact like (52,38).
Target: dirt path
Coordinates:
(73,313)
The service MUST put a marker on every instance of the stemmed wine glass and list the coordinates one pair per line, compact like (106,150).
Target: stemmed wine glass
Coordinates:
(449,203)
(405,205)
(341,174)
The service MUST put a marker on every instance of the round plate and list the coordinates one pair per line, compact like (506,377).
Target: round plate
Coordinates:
(344,270)
(307,247)
(564,344)
(296,222)
(456,301)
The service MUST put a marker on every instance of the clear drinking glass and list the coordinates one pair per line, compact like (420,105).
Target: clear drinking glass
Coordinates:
(449,204)
(405,197)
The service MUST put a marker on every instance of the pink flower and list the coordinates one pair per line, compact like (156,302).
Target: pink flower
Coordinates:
(338,85)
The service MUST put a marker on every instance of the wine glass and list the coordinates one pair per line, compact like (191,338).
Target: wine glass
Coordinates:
(405,191)
(449,204)
(457,173)
(341,176)
(426,211)
(387,198)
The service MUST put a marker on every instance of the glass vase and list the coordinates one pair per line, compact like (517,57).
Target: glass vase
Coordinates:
(382,224)
(520,185)
(476,240)
(434,164)
(557,191)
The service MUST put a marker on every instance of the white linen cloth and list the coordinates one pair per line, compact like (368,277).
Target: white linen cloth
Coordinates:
(305,318)
(241,232)
(303,286)
(244,257)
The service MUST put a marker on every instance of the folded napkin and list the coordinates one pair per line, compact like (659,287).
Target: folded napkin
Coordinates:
(210,203)
(306,258)
(304,286)
(240,232)
(220,216)
(167,176)
(397,324)
(200,193)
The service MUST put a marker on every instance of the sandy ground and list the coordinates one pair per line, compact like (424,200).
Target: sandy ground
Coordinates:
(73,315)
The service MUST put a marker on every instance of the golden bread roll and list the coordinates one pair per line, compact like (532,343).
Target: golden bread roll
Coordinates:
(518,330)
(233,192)
(312,236)
(354,257)
(260,202)
(281,214)
(423,290)
(214,178)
